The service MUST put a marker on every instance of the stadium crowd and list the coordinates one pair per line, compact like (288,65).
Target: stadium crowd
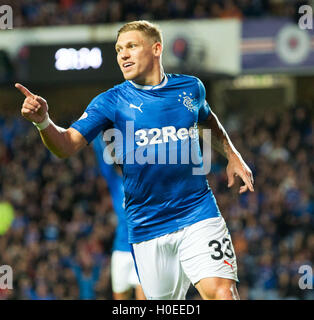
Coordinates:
(69,12)
(59,244)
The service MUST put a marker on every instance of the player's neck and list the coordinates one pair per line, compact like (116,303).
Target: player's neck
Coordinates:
(154,79)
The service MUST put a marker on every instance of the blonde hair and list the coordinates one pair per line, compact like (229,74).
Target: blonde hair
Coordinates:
(151,30)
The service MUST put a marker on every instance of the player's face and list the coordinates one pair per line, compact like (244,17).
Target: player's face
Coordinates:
(136,55)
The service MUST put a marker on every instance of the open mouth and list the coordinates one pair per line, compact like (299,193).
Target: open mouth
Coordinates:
(127,65)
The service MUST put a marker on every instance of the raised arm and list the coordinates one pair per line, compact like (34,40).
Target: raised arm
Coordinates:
(236,165)
(62,142)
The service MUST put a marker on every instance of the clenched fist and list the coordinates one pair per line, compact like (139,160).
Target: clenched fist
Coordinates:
(34,108)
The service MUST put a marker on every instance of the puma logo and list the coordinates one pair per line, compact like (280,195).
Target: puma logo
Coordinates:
(229,264)
(132,106)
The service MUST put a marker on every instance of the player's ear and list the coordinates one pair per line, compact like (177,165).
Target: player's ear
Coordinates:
(157,49)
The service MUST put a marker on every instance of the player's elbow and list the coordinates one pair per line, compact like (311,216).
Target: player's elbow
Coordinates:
(61,154)
(63,151)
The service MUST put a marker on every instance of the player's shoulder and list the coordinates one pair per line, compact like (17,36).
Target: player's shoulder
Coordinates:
(182,78)
(186,81)
(109,96)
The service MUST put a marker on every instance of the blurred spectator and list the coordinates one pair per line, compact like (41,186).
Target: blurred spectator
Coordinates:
(6,68)
(41,292)
(87,275)
(230,10)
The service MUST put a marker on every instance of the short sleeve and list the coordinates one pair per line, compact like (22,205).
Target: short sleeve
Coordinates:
(204,108)
(99,115)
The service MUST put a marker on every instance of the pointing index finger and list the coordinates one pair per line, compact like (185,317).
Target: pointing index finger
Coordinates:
(24,90)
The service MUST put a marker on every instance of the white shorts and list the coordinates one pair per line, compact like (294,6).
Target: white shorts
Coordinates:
(123,273)
(169,264)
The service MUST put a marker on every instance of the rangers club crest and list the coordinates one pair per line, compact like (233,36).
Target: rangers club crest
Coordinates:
(187,101)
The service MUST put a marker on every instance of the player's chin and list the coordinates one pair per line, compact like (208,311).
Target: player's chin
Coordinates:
(128,76)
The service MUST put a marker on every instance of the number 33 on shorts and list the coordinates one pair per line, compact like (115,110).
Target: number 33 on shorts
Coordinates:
(222,252)
(219,254)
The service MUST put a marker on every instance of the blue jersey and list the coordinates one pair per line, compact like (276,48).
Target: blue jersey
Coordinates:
(115,186)
(156,140)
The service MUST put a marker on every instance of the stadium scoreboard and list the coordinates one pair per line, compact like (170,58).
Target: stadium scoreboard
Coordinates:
(70,63)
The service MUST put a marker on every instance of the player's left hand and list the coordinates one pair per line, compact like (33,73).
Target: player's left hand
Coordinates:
(237,167)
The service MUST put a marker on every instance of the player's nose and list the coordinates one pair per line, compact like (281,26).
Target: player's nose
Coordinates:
(124,54)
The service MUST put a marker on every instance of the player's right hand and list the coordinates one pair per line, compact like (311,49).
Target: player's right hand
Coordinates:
(34,108)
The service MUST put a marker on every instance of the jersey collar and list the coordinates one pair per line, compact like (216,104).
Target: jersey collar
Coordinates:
(158,86)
